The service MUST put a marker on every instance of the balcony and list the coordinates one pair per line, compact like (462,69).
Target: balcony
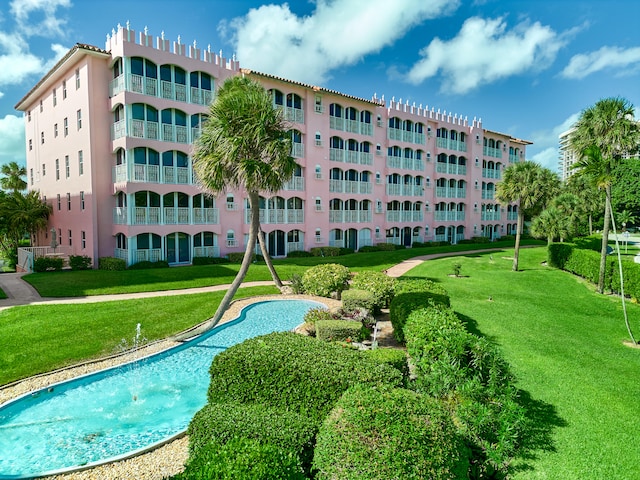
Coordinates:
(451,168)
(349,186)
(153,174)
(488,194)
(512,215)
(295,184)
(491,173)
(169,90)
(449,144)
(206,251)
(490,216)
(397,189)
(297,150)
(350,216)
(350,156)
(173,91)
(174,133)
(405,163)
(448,216)
(448,192)
(206,216)
(492,152)
(292,114)
(404,216)
(277,216)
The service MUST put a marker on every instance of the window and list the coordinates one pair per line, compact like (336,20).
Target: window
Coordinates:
(64,89)
(44,169)
(41,137)
(67,167)
(83,239)
(68,201)
(77,78)
(31,176)
(41,108)
(80,163)
(318,139)
(318,171)
(319,108)
(79,115)
(55,130)
(69,232)
(318,204)
(65,125)
(30,144)
(57,169)
(81,200)
(55,97)
(59,206)
(29,116)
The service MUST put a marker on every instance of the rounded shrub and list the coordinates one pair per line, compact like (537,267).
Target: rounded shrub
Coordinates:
(223,422)
(380,285)
(383,433)
(79,262)
(111,263)
(358,300)
(293,372)
(48,264)
(323,280)
(391,356)
(242,458)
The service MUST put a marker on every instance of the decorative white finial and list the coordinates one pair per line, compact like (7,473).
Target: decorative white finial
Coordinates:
(108,37)
(162,34)
(146,30)
(113,32)
(234,57)
(195,44)
(209,48)
(220,53)
(128,24)
(119,26)
(179,40)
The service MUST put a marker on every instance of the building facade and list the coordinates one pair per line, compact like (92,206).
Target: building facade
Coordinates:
(109,135)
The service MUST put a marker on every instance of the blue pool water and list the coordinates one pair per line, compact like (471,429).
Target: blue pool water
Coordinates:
(121,411)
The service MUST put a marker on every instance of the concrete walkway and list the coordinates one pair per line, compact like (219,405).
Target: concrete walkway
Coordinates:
(20,292)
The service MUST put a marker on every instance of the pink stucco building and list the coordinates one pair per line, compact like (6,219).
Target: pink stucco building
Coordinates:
(109,136)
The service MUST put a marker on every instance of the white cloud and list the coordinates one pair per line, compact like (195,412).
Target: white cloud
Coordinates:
(616,59)
(546,141)
(39,17)
(12,146)
(485,51)
(274,40)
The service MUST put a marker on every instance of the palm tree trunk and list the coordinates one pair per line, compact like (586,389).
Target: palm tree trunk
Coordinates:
(246,263)
(267,259)
(516,252)
(590,224)
(605,239)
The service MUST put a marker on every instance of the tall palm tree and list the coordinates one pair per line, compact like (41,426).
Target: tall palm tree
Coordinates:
(244,145)
(567,205)
(591,199)
(531,186)
(602,136)
(12,177)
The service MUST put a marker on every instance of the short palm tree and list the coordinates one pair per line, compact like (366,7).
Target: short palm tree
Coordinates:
(552,223)
(602,136)
(244,145)
(531,186)
(12,180)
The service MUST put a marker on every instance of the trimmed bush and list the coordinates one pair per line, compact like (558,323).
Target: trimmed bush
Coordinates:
(242,458)
(345,251)
(299,254)
(208,260)
(294,373)
(558,254)
(315,314)
(385,433)
(340,331)
(380,285)
(223,422)
(473,378)
(584,263)
(147,265)
(474,240)
(237,257)
(79,262)
(358,300)
(391,356)
(48,264)
(111,263)
(368,249)
(323,280)
(325,251)
(388,247)
(412,295)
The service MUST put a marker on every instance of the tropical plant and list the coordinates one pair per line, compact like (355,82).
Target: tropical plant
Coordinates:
(243,145)
(602,136)
(591,200)
(531,186)
(12,180)
(626,218)
(552,223)
(20,214)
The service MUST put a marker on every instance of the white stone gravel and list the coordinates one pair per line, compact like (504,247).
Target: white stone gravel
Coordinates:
(157,464)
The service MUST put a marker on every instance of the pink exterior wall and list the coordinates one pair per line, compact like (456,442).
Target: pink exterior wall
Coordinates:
(128,203)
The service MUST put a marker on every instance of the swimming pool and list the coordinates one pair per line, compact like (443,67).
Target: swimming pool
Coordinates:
(122,411)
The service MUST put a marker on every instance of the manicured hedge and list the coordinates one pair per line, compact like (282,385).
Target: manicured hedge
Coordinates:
(242,458)
(111,263)
(384,433)
(558,254)
(79,262)
(293,372)
(237,257)
(48,264)
(223,422)
(299,254)
(411,295)
(355,299)
(147,265)
(391,356)
(325,251)
(208,260)
(326,279)
(584,263)
(470,374)
(379,284)
(340,331)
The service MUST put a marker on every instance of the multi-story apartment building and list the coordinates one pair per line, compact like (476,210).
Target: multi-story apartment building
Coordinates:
(567,156)
(109,135)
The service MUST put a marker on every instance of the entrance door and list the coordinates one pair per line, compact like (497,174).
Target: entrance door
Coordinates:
(276,243)
(178,248)
(351,239)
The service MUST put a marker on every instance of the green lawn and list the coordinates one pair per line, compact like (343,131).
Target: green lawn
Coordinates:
(564,342)
(41,338)
(100,282)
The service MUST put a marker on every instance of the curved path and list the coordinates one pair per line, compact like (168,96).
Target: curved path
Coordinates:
(20,292)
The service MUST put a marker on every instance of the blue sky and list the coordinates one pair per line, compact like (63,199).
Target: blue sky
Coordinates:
(526,68)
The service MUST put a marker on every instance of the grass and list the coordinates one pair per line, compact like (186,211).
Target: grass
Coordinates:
(565,344)
(41,338)
(100,282)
